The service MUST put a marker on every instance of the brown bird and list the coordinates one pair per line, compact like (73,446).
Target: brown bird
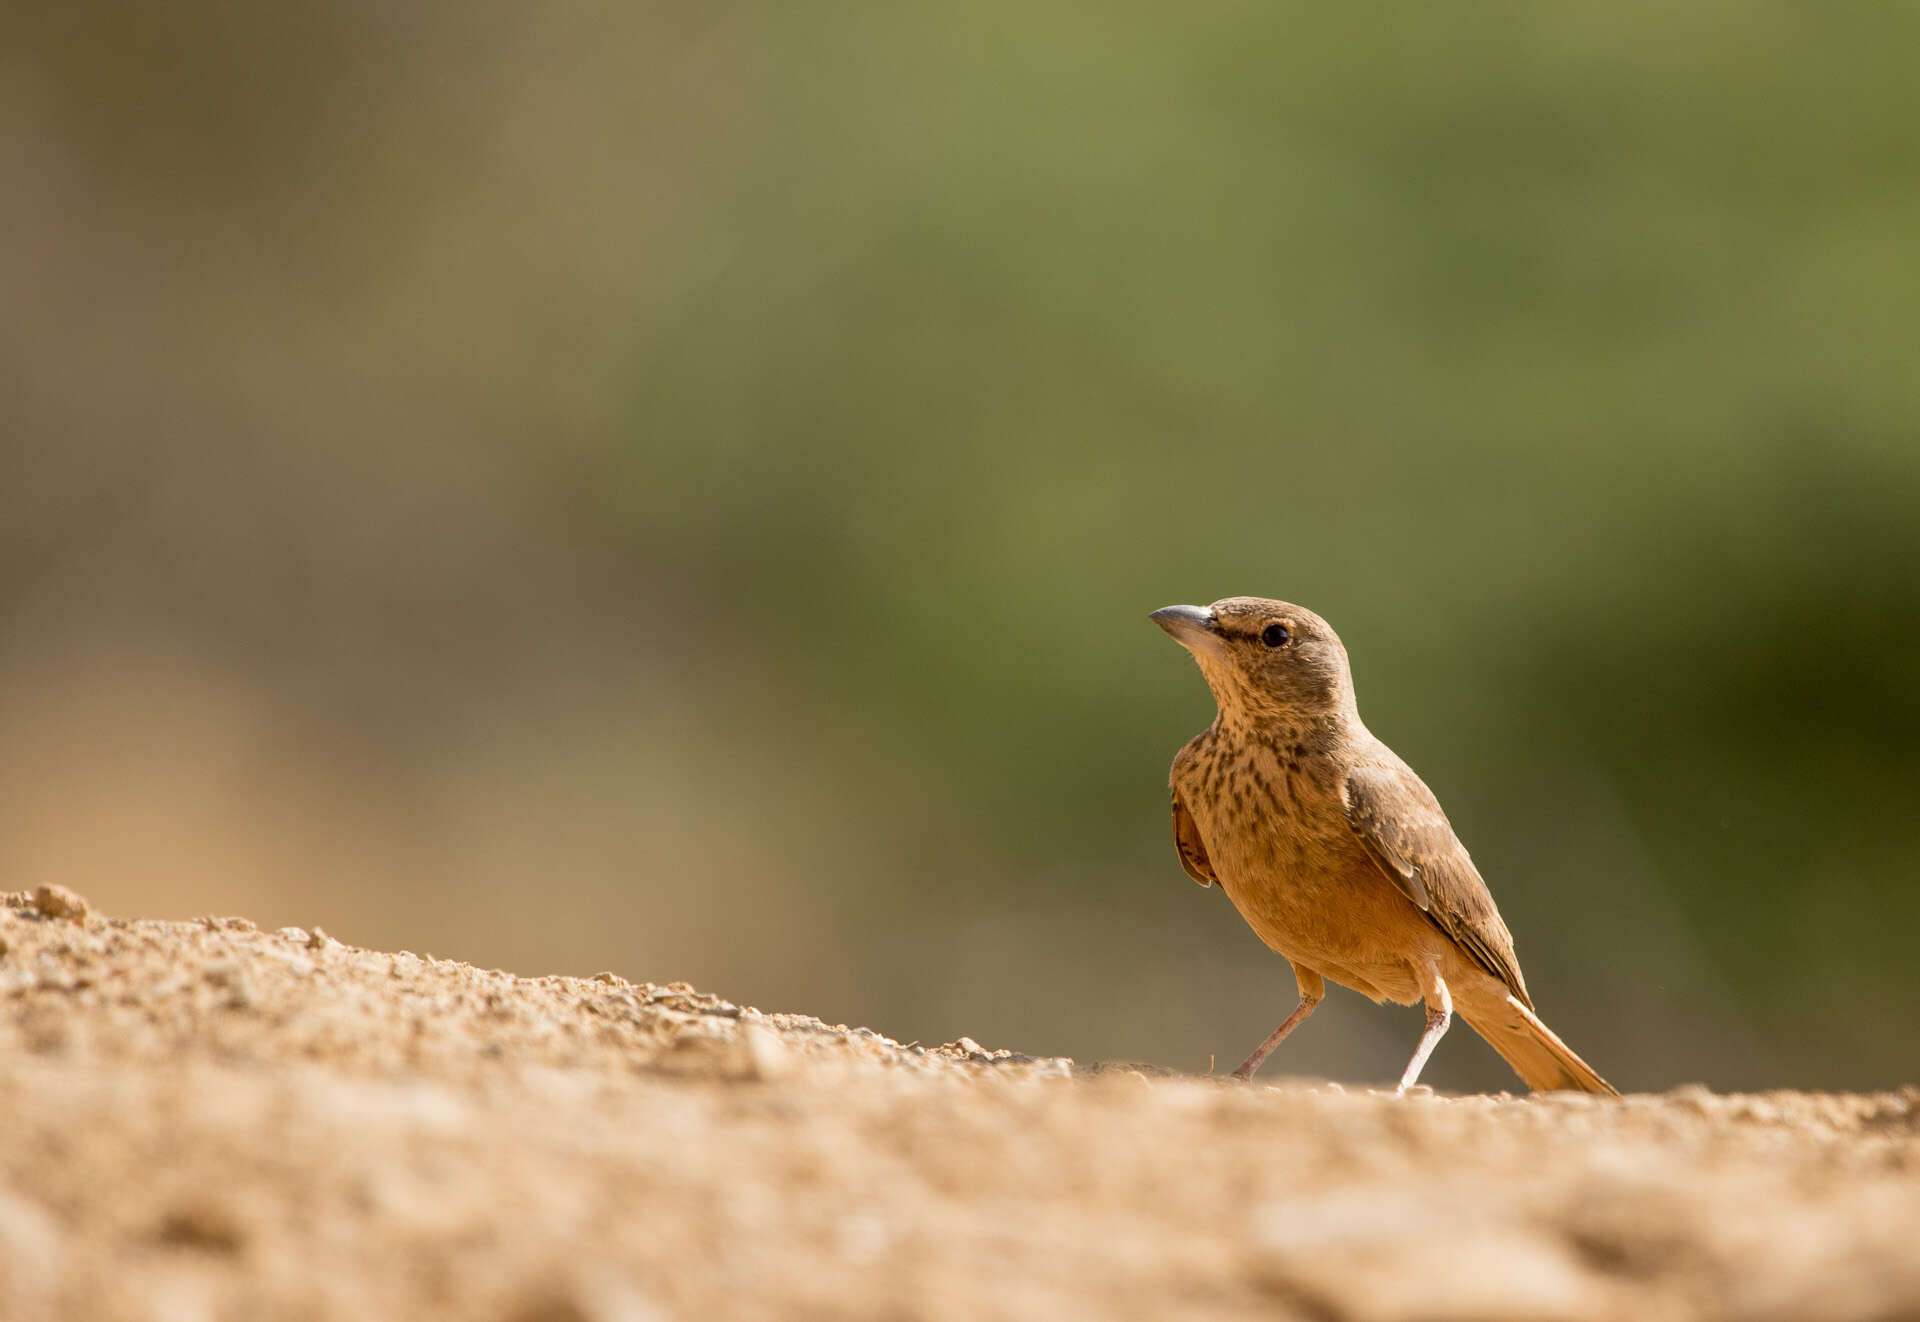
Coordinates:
(1333,850)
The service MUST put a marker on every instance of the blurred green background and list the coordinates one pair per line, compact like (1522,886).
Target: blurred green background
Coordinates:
(678,489)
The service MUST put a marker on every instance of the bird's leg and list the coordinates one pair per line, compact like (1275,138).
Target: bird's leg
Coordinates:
(1439,1015)
(1312,989)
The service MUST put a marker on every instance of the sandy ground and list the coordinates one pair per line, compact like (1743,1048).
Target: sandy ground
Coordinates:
(206,1120)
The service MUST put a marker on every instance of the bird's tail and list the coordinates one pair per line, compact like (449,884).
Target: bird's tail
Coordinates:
(1536,1053)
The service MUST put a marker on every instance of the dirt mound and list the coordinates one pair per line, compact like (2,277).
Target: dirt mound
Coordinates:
(205,1120)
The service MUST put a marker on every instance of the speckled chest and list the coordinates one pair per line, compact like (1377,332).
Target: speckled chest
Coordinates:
(1271,814)
(1266,801)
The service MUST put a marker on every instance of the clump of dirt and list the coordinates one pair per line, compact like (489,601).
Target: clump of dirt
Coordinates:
(209,1120)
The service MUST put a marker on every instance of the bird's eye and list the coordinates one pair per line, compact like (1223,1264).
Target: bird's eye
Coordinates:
(1275,635)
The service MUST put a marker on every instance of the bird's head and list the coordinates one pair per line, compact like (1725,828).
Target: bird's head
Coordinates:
(1264,660)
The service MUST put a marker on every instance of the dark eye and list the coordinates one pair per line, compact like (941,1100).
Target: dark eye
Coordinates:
(1275,635)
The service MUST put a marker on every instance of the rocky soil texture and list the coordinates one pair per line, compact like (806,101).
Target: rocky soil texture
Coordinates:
(206,1120)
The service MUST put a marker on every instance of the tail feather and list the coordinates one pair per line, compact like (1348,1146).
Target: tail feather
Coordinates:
(1537,1054)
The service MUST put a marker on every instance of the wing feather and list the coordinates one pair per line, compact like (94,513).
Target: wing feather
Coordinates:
(1193,850)
(1395,816)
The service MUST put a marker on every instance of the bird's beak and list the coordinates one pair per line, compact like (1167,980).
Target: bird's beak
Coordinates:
(1192,627)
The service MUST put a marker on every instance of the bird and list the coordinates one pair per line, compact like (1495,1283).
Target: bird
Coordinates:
(1337,855)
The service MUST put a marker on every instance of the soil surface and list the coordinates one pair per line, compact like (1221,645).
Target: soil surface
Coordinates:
(206,1120)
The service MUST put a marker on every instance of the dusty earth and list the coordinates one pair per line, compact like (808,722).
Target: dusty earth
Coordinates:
(206,1120)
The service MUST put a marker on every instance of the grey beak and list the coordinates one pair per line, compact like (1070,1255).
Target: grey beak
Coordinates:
(1190,626)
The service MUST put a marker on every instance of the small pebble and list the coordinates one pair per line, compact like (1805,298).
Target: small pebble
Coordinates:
(238,986)
(765,1055)
(59,902)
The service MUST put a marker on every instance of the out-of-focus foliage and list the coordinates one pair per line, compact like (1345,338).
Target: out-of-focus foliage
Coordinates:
(679,488)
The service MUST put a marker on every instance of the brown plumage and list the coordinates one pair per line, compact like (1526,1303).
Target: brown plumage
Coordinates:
(1333,850)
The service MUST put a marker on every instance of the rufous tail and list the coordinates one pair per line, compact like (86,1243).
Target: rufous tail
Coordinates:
(1537,1054)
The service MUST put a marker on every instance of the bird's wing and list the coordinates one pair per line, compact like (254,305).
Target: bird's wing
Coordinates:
(1395,816)
(1193,851)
